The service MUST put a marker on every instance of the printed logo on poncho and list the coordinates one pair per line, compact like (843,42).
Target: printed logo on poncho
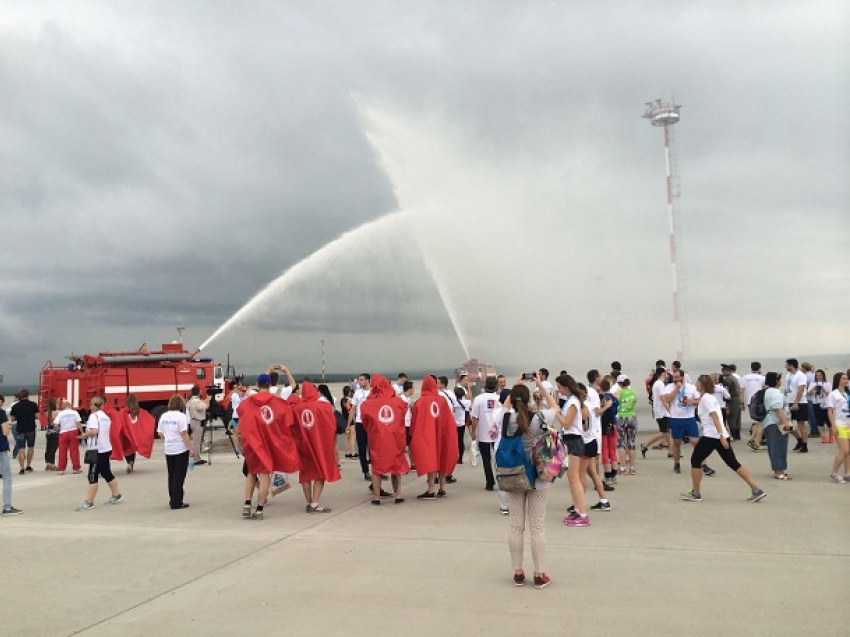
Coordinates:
(307,419)
(435,409)
(385,415)
(266,414)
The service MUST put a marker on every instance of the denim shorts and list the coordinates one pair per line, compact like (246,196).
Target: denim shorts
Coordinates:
(22,441)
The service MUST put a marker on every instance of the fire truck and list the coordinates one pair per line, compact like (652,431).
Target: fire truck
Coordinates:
(152,376)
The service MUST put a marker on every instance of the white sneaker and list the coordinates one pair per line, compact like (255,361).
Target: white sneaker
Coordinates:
(85,505)
(837,478)
(115,499)
(504,511)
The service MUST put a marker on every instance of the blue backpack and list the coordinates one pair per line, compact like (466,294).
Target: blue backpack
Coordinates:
(515,472)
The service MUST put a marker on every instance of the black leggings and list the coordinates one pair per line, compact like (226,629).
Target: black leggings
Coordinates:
(460,443)
(102,468)
(177,466)
(362,446)
(706,446)
(486,449)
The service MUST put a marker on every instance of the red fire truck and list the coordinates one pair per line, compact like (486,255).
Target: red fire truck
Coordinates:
(152,376)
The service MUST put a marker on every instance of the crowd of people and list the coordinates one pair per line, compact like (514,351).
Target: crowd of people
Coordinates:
(287,428)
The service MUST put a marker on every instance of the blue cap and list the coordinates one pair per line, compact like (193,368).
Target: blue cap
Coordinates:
(264,379)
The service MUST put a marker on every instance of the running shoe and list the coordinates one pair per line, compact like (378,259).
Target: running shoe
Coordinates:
(441,494)
(578,520)
(691,496)
(708,470)
(519,579)
(757,495)
(258,515)
(504,511)
(115,499)
(837,478)
(85,505)
(428,495)
(541,581)
(451,479)
(677,468)
(246,511)
(10,510)
(607,487)
(601,506)
(643,450)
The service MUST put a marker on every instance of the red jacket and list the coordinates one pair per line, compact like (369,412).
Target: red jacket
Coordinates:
(265,423)
(383,417)
(433,432)
(314,431)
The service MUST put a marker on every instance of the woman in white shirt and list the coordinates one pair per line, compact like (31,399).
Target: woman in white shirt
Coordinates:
(817,399)
(838,410)
(97,432)
(173,428)
(715,437)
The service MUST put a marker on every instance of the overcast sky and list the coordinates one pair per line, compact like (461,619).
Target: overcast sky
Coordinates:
(480,169)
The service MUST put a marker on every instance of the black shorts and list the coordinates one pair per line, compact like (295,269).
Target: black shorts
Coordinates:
(101,469)
(24,440)
(573,444)
(801,414)
(591,449)
(663,424)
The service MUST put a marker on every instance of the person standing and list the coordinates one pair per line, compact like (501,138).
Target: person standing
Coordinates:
(456,410)
(715,437)
(626,426)
(355,418)
(51,436)
(173,428)
(750,384)
(70,426)
(530,505)
(659,412)
(196,409)
(24,415)
(681,397)
(383,416)
(433,437)
(838,410)
(798,401)
(733,405)
(486,434)
(315,439)
(776,426)
(5,464)
(818,392)
(98,428)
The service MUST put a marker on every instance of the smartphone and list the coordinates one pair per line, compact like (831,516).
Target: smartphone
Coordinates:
(528,376)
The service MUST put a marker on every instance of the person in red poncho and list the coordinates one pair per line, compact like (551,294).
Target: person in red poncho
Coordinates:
(315,438)
(135,433)
(265,423)
(433,438)
(383,418)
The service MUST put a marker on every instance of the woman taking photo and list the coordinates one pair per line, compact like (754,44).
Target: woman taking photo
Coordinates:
(839,420)
(817,399)
(173,428)
(777,426)
(715,437)
(97,432)
(569,417)
(527,505)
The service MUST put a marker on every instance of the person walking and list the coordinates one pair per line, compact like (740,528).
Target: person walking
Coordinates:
(715,437)
(173,428)
(527,507)
(839,421)
(5,464)
(70,426)
(98,428)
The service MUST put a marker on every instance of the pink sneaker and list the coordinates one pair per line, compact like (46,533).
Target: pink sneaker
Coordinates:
(578,520)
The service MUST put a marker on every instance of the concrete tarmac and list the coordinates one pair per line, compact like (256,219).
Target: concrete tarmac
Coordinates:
(653,565)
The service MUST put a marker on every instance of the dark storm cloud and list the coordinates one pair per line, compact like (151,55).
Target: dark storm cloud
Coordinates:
(162,162)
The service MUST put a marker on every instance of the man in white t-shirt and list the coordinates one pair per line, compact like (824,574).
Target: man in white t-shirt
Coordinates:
(364,386)
(750,384)
(276,389)
(798,401)
(398,386)
(681,398)
(70,426)
(659,412)
(485,430)
(544,380)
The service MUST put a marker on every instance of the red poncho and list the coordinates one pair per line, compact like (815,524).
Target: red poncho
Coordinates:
(264,424)
(383,417)
(135,433)
(116,433)
(433,432)
(315,436)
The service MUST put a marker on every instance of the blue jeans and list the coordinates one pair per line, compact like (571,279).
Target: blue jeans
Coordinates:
(813,422)
(777,448)
(6,471)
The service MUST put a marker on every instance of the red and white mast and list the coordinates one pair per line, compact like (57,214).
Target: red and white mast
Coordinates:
(664,115)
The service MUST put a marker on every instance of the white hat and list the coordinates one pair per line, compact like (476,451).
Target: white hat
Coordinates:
(621,378)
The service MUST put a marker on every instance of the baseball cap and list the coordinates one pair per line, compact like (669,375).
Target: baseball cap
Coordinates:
(621,378)
(264,379)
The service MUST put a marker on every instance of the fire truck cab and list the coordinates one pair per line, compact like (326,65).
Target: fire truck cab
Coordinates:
(152,376)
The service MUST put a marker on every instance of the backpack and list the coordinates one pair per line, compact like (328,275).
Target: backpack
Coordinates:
(514,472)
(549,455)
(758,412)
(609,416)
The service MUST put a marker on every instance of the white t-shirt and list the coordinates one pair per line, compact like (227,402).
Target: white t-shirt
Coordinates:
(707,405)
(100,422)
(171,424)
(359,396)
(459,411)
(67,420)
(235,399)
(574,427)
(594,431)
(819,398)
(721,394)
(482,408)
(285,391)
(678,408)
(751,383)
(408,416)
(658,408)
(840,410)
(792,383)
(549,387)
(398,389)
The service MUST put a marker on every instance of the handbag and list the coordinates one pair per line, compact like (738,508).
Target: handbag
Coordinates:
(549,454)
(514,472)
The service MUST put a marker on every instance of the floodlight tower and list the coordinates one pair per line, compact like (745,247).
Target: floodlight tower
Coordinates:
(664,115)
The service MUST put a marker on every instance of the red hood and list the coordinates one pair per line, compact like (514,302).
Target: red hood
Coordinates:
(381,388)
(309,391)
(429,387)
